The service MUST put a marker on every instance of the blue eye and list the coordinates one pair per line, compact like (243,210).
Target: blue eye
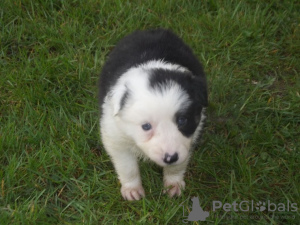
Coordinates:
(181,121)
(146,126)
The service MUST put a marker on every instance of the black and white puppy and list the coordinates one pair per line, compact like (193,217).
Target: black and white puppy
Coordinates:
(153,95)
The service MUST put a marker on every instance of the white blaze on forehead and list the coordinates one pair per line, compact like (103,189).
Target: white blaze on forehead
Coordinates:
(171,98)
(158,103)
(170,95)
(160,64)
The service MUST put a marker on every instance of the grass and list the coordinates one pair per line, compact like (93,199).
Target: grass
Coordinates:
(53,169)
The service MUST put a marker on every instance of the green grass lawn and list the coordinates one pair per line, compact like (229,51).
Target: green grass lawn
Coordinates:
(53,168)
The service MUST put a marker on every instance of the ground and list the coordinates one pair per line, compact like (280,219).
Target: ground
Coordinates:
(53,169)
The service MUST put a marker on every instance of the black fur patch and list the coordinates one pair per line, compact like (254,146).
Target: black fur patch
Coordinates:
(193,115)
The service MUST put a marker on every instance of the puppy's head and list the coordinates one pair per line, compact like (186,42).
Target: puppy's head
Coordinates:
(160,111)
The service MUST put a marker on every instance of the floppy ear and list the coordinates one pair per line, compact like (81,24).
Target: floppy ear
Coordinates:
(119,97)
(200,90)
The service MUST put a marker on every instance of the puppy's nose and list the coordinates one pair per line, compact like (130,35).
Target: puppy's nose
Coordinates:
(169,159)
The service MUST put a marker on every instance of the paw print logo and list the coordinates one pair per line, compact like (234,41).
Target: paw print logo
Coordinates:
(261,206)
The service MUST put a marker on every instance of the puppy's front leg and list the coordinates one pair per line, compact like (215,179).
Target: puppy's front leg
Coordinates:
(128,172)
(174,178)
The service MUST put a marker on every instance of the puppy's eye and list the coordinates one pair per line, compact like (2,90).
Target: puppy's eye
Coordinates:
(181,121)
(146,126)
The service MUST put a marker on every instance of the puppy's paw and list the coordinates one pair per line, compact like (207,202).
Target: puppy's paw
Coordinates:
(133,193)
(174,188)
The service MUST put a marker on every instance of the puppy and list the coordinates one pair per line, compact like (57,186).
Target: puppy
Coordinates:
(153,94)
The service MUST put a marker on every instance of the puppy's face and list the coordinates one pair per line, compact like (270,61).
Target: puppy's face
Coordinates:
(159,115)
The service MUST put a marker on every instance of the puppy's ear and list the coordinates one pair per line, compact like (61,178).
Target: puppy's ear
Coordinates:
(119,98)
(200,90)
